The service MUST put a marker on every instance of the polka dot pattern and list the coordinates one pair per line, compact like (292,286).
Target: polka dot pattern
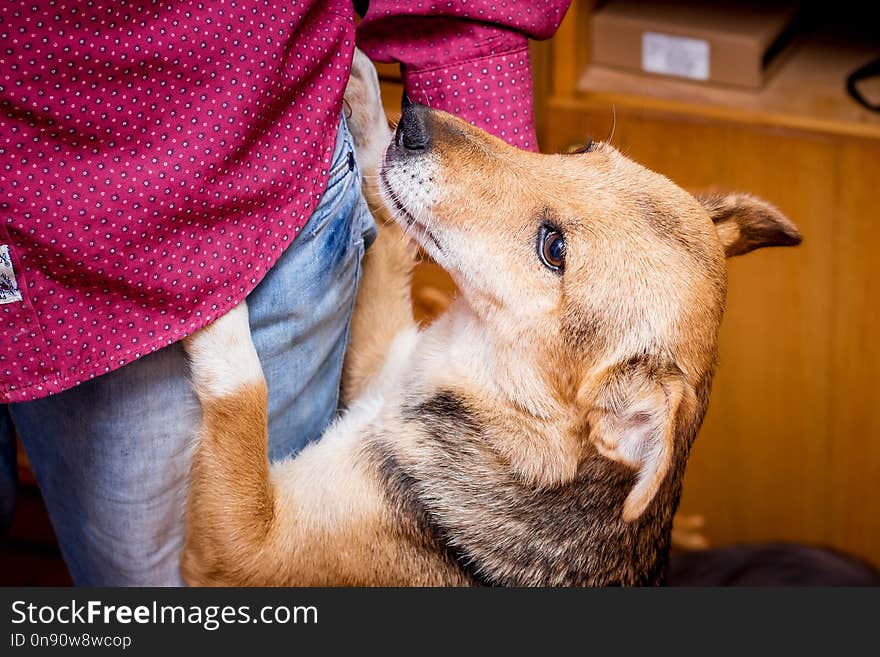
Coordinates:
(494,93)
(467,57)
(157,158)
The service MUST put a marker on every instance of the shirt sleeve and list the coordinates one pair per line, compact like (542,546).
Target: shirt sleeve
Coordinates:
(466,57)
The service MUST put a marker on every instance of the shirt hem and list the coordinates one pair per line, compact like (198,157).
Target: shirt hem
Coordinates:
(58,385)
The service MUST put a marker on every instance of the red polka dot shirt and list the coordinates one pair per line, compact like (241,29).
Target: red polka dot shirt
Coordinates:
(157,157)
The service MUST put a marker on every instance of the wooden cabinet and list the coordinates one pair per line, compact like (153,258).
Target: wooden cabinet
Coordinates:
(790,448)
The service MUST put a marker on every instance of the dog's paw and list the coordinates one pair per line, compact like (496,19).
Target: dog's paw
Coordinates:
(222,355)
(367,122)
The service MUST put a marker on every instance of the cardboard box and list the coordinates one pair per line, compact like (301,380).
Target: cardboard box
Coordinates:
(732,43)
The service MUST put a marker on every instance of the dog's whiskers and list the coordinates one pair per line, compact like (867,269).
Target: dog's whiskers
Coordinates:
(613,123)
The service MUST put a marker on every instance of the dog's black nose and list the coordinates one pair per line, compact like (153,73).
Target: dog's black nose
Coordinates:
(412,131)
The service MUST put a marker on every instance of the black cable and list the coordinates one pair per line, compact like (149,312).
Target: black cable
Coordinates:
(869,70)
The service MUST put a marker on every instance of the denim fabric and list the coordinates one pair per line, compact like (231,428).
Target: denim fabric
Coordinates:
(111,456)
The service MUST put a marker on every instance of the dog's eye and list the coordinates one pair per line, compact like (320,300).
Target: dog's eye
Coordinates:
(551,248)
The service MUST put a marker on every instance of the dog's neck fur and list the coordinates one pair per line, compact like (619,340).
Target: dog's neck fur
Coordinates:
(462,348)
(444,475)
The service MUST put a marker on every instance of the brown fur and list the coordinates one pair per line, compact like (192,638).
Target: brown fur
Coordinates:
(538,433)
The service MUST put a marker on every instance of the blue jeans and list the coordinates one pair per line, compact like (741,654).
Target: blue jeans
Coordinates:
(112,455)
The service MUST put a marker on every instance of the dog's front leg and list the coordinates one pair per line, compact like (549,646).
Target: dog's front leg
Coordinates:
(231,510)
(382,310)
(383,307)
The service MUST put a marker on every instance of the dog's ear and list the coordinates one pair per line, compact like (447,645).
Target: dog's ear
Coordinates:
(745,223)
(633,421)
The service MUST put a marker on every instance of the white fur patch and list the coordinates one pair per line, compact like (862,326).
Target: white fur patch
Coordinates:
(396,362)
(222,355)
(308,485)
(411,182)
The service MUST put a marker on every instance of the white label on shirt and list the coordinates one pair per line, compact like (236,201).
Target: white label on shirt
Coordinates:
(672,55)
(9,291)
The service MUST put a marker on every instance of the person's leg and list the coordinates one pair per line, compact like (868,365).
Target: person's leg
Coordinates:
(112,455)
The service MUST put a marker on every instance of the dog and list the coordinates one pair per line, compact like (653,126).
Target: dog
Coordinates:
(534,435)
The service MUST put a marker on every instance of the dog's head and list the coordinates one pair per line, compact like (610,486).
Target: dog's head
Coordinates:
(600,282)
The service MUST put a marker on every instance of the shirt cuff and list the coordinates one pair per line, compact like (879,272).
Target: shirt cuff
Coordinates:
(492,92)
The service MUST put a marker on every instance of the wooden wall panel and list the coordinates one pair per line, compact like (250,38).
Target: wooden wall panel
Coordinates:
(766,433)
(854,447)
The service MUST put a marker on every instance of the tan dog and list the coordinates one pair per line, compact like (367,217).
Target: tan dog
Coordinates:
(537,434)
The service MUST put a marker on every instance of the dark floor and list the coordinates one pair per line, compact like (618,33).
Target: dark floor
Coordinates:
(29,554)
